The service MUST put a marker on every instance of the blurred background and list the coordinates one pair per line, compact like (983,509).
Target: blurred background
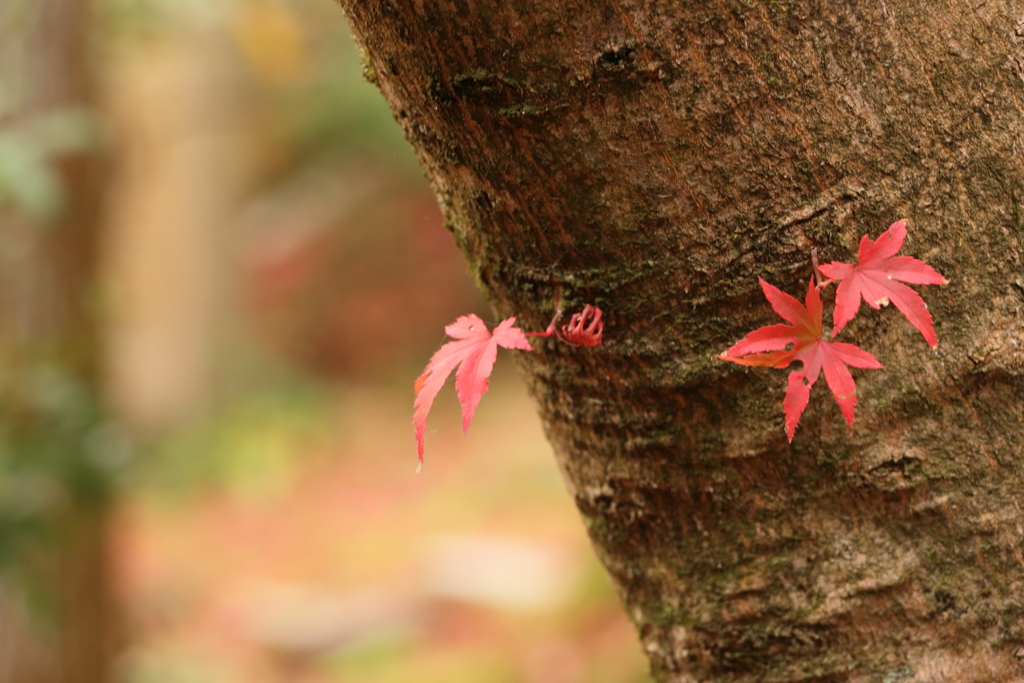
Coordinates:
(220,271)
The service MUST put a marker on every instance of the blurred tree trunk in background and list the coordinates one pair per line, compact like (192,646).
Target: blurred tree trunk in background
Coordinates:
(57,622)
(656,158)
(183,161)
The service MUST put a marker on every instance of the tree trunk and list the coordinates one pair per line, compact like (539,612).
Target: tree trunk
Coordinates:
(655,159)
(57,620)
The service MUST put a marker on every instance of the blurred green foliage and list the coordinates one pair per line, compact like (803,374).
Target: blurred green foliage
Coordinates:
(339,112)
(247,449)
(60,456)
(31,140)
(29,183)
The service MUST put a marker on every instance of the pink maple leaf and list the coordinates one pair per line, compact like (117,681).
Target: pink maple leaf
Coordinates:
(776,346)
(875,276)
(474,351)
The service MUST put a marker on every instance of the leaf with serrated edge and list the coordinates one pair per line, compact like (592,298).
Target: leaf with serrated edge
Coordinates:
(473,352)
(769,347)
(874,278)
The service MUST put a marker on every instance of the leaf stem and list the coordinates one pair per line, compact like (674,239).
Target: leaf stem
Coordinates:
(818,277)
(551,328)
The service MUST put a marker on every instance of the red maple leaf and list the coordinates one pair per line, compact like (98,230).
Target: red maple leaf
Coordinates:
(770,347)
(474,352)
(874,278)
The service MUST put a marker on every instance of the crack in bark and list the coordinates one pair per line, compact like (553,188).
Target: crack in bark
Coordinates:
(848,188)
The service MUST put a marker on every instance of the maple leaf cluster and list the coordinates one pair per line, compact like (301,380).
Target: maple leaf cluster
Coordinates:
(876,278)
(474,351)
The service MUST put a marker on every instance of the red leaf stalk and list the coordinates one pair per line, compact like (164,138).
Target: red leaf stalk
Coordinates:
(583,329)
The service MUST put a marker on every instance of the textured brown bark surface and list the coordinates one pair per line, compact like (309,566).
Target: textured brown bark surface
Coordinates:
(656,158)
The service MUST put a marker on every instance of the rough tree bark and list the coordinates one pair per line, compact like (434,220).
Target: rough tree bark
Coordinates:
(655,158)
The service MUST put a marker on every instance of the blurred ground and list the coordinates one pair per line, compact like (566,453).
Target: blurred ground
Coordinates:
(342,565)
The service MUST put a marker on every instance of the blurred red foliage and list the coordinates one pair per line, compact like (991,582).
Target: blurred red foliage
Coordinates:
(348,283)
